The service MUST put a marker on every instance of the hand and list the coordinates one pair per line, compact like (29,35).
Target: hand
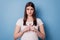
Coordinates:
(26,29)
(32,28)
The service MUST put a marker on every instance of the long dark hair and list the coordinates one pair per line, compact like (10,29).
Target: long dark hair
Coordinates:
(33,15)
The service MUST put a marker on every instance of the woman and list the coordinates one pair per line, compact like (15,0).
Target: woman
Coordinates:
(27,27)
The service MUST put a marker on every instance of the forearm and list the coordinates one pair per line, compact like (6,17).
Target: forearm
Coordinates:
(41,35)
(17,35)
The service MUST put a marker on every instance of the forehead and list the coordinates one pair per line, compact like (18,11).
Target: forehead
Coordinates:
(30,7)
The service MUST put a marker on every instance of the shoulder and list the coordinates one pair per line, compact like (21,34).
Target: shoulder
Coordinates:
(19,21)
(39,21)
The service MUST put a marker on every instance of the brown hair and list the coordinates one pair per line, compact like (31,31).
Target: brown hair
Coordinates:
(33,15)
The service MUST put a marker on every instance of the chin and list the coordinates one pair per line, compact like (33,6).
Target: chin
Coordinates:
(29,15)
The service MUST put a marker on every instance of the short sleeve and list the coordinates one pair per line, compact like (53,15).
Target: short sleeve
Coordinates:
(19,22)
(39,21)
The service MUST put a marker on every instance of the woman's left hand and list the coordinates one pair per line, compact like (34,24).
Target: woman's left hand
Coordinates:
(33,28)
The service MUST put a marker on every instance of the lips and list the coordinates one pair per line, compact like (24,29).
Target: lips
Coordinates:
(29,13)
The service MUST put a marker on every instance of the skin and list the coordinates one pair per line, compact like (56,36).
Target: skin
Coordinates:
(40,33)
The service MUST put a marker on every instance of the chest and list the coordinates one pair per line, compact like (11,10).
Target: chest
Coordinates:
(27,24)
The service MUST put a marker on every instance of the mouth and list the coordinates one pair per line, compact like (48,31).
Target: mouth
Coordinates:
(29,13)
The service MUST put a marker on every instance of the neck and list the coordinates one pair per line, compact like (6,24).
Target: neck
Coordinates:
(30,17)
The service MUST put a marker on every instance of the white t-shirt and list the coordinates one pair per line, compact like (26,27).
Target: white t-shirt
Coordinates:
(29,35)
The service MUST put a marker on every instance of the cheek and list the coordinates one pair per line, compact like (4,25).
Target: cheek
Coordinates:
(32,11)
(27,11)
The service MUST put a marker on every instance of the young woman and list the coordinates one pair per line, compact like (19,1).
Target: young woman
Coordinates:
(27,27)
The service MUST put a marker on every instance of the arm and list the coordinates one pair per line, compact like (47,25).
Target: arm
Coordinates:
(41,34)
(17,34)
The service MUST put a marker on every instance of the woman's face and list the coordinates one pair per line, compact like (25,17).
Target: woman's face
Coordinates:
(29,10)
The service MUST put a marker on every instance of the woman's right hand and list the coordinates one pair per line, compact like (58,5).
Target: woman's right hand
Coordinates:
(26,29)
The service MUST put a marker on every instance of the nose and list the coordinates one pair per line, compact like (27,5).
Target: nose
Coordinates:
(29,11)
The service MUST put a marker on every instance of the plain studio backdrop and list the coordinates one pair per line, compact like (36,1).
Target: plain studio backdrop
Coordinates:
(47,10)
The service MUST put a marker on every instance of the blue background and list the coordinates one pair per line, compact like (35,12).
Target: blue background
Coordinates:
(47,10)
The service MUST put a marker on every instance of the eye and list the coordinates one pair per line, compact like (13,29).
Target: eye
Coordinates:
(27,9)
(32,9)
